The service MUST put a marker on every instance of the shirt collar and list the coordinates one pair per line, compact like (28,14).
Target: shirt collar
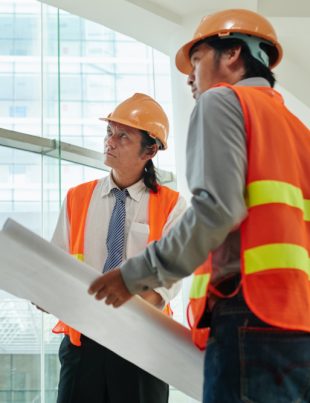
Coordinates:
(253,82)
(249,82)
(135,191)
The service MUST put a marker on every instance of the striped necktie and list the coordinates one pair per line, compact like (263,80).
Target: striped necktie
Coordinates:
(116,231)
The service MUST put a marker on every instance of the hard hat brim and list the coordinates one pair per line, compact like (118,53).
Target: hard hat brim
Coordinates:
(182,59)
(130,124)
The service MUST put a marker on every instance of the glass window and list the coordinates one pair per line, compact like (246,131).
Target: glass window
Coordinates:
(25,26)
(7,24)
(58,74)
(6,84)
(70,27)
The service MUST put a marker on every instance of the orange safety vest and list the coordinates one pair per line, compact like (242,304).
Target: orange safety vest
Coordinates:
(275,236)
(160,206)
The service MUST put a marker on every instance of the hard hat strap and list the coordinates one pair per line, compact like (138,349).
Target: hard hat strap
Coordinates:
(253,43)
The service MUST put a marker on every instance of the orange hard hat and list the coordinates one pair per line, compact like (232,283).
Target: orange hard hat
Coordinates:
(224,23)
(142,112)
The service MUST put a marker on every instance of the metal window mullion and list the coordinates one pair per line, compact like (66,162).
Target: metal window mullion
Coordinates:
(62,151)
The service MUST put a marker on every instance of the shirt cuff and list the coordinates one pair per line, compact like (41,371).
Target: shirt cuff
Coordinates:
(138,275)
(168,294)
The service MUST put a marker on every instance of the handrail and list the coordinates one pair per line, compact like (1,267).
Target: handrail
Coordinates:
(64,151)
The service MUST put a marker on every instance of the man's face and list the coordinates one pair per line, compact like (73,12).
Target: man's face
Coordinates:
(122,147)
(206,71)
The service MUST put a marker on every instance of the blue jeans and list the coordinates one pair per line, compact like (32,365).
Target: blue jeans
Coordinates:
(249,361)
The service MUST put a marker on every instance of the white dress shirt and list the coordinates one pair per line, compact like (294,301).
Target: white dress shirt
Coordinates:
(136,226)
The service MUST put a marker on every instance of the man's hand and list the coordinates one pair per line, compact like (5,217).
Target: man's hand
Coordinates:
(152,297)
(110,286)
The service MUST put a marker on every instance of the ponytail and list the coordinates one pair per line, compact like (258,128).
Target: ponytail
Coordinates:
(149,174)
(150,177)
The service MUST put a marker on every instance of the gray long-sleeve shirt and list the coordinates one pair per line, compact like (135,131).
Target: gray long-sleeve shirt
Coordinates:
(216,172)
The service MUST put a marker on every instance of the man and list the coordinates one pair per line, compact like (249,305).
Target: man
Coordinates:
(248,169)
(103,222)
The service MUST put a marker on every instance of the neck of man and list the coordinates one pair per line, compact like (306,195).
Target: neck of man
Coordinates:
(237,73)
(125,179)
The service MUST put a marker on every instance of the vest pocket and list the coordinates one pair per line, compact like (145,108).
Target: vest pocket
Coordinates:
(138,235)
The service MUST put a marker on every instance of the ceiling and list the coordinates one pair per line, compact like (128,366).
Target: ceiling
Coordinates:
(185,8)
(166,24)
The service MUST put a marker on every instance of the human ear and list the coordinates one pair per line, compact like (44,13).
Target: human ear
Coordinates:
(150,152)
(233,54)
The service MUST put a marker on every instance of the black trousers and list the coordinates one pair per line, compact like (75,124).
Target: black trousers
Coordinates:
(93,374)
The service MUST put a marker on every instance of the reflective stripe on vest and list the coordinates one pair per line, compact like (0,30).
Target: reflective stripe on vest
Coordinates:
(265,192)
(275,256)
(160,206)
(79,256)
(197,303)
(199,285)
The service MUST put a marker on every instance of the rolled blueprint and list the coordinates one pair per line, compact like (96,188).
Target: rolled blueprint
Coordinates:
(36,270)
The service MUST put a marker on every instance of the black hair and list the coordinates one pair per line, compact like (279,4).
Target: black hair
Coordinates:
(149,174)
(253,67)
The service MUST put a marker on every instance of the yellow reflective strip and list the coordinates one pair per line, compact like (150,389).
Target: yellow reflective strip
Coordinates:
(199,285)
(276,256)
(265,192)
(307,210)
(79,256)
